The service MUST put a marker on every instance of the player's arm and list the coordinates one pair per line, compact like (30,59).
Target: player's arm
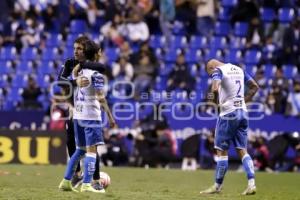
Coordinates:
(66,71)
(252,87)
(93,66)
(216,82)
(98,84)
(103,102)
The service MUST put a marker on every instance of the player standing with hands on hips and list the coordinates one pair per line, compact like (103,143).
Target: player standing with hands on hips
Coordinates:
(228,83)
(88,102)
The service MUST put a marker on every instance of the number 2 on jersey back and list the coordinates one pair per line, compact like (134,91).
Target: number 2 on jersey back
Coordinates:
(239,89)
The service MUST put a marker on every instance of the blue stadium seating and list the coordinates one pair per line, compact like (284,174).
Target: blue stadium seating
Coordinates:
(25,67)
(267,14)
(198,42)
(8,53)
(50,54)
(269,70)
(233,56)
(286,15)
(171,55)
(193,56)
(218,42)
(157,41)
(112,54)
(14,94)
(54,40)
(222,29)
(240,29)
(78,26)
(224,14)
(29,53)
(252,57)
(68,53)
(46,67)
(289,71)
(6,67)
(20,81)
(178,41)
(70,39)
(237,43)
(213,53)
(43,81)
(228,3)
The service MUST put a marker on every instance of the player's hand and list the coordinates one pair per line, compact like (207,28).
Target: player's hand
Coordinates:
(113,125)
(82,81)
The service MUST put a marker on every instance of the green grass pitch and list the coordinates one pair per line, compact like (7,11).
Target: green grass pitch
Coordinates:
(40,183)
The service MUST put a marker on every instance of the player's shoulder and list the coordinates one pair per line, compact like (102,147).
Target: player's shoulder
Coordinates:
(70,63)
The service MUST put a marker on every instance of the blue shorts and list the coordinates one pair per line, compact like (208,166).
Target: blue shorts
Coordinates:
(232,127)
(87,133)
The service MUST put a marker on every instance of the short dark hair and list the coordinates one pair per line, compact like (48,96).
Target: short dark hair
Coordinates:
(82,39)
(90,50)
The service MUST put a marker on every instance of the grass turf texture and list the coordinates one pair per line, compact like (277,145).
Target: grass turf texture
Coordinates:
(41,182)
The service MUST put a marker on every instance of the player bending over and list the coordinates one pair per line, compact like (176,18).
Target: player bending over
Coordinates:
(88,102)
(228,83)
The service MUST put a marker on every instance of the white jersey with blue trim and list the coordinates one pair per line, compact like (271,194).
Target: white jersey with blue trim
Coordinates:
(231,91)
(86,105)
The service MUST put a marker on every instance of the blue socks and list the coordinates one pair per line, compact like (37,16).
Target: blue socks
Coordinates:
(222,165)
(89,166)
(249,168)
(73,162)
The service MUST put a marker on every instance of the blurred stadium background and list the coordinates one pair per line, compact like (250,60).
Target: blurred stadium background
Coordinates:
(161,47)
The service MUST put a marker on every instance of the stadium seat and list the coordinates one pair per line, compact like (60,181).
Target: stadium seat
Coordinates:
(286,15)
(240,29)
(157,41)
(218,42)
(228,3)
(165,69)
(68,53)
(289,71)
(6,67)
(267,14)
(8,53)
(193,56)
(50,54)
(252,57)
(14,94)
(20,80)
(222,29)
(233,56)
(171,55)
(70,39)
(29,53)
(198,42)
(24,67)
(224,14)
(213,53)
(54,40)
(238,43)
(46,67)
(78,26)
(178,28)
(112,54)
(178,41)
(269,70)
(43,81)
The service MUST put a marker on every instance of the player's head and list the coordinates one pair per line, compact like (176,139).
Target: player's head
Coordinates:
(79,48)
(91,50)
(212,65)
